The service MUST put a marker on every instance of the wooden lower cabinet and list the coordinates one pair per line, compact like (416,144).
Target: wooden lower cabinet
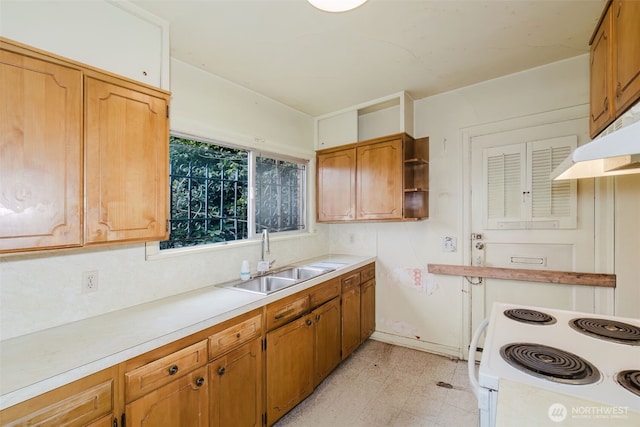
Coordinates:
(358,308)
(86,402)
(289,376)
(236,387)
(327,339)
(350,320)
(222,376)
(367,309)
(182,402)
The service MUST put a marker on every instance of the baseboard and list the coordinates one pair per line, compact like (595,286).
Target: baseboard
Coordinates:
(417,344)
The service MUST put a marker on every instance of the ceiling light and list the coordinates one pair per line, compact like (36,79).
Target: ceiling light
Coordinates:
(336,5)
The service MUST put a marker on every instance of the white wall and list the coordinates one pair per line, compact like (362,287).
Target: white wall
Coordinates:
(114,36)
(41,290)
(430,314)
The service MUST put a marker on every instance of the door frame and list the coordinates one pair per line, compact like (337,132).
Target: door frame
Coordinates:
(604,299)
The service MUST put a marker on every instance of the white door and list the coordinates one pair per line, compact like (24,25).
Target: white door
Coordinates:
(525,221)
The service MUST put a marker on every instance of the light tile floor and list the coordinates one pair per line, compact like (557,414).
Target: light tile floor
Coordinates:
(386,385)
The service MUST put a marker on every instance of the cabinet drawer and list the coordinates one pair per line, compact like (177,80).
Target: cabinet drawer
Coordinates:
(368,273)
(79,409)
(281,312)
(233,336)
(350,281)
(324,292)
(159,372)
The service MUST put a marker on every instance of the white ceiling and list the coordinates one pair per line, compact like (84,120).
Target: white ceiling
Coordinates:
(318,62)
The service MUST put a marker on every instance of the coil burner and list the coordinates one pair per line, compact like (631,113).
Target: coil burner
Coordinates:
(630,380)
(533,317)
(550,363)
(607,329)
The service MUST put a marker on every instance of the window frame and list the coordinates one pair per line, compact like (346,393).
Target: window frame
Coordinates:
(152,249)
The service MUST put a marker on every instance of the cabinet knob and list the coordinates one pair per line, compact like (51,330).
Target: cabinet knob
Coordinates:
(221,370)
(309,322)
(200,381)
(317,317)
(173,370)
(238,335)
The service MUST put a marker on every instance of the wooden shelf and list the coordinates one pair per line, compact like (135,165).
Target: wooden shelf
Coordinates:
(544,276)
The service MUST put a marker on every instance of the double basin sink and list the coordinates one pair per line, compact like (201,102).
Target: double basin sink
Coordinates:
(280,279)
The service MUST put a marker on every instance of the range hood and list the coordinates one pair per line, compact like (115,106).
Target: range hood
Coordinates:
(615,152)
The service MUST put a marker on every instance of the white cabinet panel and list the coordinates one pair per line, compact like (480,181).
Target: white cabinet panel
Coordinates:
(129,42)
(337,130)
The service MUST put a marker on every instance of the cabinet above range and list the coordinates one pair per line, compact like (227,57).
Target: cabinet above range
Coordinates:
(382,179)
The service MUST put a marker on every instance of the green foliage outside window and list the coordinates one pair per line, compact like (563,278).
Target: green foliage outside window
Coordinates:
(209,193)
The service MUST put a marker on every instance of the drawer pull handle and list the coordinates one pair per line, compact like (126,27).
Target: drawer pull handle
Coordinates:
(221,370)
(173,370)
(279,316)
(200,381)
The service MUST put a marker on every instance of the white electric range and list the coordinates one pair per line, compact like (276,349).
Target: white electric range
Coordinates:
(555,366)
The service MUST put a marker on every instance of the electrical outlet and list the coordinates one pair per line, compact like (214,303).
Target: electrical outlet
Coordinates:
(89,281)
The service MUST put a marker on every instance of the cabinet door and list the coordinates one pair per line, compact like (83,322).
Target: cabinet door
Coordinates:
(126,158)
(86,402)
(350,320)
(236,387)
(336,185)
(327,339)
(601,104)
(183,402)
(289,366)
(379,180)
(367,309)
(626,57)
(41,160)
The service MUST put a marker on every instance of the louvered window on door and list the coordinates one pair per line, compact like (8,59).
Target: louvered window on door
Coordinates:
(504,180)
(519,191)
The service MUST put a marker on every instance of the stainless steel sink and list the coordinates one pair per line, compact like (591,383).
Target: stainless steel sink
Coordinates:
(302,273)
(264,285)
(279,280)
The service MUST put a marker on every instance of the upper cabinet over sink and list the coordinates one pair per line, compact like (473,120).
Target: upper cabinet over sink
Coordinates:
(383,179)
(614,64)
(60,187)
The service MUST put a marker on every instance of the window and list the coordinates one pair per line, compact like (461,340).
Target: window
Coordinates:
(519,191)
(211,199)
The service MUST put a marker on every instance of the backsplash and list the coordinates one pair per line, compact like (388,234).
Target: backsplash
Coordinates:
(43,290)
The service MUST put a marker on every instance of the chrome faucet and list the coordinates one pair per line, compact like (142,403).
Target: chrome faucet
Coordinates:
(264,265)
(265,243)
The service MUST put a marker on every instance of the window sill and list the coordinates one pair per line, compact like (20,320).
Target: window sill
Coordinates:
(153,252)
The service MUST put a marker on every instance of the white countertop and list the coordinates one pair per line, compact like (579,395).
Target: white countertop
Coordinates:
(42,361)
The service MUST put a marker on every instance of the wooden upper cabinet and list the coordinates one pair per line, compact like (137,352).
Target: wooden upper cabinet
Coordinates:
(379,180)
(626,52)
(383,179)
(336,183)
(126,161)
(79,147)
(602,109)
(41,152)
(614,64)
